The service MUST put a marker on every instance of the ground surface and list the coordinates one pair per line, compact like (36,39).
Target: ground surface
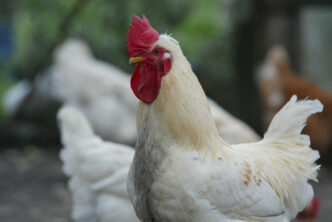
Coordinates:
(33,188)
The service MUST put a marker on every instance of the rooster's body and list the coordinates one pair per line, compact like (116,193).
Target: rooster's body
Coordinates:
(183,171)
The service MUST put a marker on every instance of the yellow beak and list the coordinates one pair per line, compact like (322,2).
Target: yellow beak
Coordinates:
(136,59)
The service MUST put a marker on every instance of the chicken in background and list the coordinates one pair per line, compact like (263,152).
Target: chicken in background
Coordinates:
(232,129)
(100,90)
(278,82)
(97,169)
(184,171)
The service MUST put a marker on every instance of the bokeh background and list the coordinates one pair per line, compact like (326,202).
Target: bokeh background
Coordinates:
(225,41)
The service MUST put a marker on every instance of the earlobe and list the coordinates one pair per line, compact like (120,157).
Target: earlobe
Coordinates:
(167,55)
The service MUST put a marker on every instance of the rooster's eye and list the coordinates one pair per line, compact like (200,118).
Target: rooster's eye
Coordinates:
(156,51)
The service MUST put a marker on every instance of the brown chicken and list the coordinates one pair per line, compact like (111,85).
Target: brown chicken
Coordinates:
(278,82)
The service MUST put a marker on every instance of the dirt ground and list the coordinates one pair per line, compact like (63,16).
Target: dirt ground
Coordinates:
(33,188)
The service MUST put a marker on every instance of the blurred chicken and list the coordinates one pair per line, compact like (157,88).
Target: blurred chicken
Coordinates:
(277,83)
(232,129)
(98,171)
(100,90)
(184,171)
(103,93)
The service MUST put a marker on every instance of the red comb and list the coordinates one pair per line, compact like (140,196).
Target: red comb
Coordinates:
(141,36)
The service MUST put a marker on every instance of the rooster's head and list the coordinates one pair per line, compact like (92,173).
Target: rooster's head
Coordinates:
(152,60)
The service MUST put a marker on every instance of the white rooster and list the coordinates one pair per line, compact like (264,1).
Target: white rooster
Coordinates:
(95,166)
(98,171)
(184,171)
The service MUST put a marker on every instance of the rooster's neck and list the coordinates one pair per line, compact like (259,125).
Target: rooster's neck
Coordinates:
(181,111)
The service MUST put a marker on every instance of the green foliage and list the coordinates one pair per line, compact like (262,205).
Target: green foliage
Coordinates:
(201,27)
(35,26)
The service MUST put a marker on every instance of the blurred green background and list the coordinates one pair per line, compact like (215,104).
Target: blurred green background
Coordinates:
(203,28)
(224,40)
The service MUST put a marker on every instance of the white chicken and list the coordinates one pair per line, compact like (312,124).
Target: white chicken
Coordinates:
(98,171)
(231,129)
(100,90)
(184,171)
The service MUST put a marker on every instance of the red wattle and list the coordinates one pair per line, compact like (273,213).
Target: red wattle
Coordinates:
(146,82)
(167,65)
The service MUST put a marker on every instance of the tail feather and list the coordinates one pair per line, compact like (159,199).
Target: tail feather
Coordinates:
(293,159)
(291,119)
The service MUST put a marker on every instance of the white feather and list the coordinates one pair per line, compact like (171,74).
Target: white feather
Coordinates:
(97,170)
(100,90)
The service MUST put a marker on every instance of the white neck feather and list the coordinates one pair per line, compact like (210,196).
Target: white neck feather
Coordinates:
(181,109)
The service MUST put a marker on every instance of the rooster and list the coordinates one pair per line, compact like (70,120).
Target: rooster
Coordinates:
(98,171)
(184,171)
(278,82)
